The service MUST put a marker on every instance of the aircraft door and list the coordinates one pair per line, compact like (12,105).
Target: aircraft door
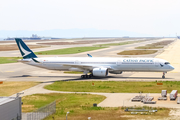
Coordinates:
(118,62)
(156,63)
(77,62)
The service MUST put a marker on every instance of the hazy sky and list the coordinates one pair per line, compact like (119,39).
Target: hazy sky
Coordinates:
(155,17)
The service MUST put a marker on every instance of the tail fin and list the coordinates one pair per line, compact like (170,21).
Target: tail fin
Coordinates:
(24,49)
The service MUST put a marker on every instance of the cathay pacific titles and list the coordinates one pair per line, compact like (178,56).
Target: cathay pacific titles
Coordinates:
(138,60)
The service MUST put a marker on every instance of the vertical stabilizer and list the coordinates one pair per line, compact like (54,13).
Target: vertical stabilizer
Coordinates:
(24,49)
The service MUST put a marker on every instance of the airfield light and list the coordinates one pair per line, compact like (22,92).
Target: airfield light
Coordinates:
(67,114)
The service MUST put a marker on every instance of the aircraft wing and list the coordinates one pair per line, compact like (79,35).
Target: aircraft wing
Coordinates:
(86,67)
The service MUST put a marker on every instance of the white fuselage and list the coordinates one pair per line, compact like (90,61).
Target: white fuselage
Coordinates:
(113,64)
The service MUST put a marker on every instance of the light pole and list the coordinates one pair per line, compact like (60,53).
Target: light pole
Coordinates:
(67,114)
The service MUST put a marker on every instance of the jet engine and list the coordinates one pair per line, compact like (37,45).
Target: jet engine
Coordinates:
(115,72)
(101,72)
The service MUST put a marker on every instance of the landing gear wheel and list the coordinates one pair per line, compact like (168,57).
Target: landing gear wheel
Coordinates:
(82,76)
(86,76)
(163,75)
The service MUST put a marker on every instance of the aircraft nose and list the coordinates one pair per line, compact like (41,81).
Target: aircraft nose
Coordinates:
(171,67)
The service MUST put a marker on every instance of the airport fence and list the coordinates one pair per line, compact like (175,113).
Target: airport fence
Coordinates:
(42,112)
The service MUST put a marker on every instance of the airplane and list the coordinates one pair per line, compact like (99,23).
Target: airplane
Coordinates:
(96,66)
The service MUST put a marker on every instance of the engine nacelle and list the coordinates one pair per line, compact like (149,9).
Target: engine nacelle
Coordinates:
(115,72)
(101,72)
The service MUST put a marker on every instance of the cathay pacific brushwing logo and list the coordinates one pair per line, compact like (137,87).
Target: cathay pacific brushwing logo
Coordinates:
(25,52)
(161,65)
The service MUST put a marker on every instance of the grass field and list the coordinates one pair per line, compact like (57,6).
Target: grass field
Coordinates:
(115,44)
(114,87)
(137,52)
(81,107)
(10,88)
(73,72)
(68,50)
(157,45)
(149,47)
(4,60)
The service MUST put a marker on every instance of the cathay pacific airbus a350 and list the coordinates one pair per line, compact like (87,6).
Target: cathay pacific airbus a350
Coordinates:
(96,66)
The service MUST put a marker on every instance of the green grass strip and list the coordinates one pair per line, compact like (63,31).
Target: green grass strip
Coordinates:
(68,50)
(116,44)
(73,72)
(149,47)
(65,102)
(137,52)
(8,88)
(4,60)
(114,87)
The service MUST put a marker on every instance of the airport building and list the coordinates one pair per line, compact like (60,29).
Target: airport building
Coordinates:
(33,37)
(10,108)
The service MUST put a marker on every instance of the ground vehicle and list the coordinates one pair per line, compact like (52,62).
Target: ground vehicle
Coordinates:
(173,94)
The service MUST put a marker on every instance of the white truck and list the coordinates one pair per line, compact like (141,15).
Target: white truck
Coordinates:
(173,94)
(164,93)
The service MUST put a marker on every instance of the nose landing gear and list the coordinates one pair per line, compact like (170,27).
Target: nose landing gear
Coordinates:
(163,76)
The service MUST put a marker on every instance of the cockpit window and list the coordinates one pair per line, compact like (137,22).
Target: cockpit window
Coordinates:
(166,63)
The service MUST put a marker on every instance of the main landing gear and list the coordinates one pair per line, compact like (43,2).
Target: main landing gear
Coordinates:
(87,76)
(163,76)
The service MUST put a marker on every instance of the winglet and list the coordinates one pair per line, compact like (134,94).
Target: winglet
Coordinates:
(24,49)
(89,55)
